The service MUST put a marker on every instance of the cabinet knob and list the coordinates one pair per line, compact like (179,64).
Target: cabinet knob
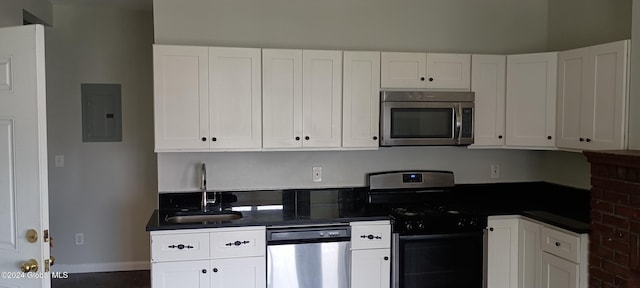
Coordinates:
(588,139)
(430,79)
(421,78)
(375,137)
(297,138)
(557,244)
(306,137)
(204,139)
(214,139)
(215,270)
(499,136)
(549,137)
(386,258)
(204,271)
(491,229)
(581,139)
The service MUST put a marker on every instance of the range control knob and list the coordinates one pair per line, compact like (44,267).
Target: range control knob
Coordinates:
(408,226)
(420,225)
(461,223)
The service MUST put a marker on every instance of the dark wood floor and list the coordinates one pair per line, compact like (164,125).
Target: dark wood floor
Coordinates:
(128,279)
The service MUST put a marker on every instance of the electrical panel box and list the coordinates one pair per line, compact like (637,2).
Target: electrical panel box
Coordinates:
(101,112)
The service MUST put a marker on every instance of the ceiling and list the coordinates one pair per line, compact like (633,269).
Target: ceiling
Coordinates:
(126,4)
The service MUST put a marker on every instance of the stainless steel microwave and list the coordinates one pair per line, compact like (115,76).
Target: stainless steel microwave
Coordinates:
(417,118)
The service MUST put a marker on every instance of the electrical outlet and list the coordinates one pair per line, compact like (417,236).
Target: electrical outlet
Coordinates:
(59,160)
(495,171)
(317,174)
(79,239)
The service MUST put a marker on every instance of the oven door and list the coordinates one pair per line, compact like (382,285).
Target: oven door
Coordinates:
(419,123)
(438,261)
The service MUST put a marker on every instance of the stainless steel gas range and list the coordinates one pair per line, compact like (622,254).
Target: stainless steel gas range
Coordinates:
(436,241)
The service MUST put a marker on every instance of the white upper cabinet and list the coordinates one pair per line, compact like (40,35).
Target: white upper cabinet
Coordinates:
(207,99)
(531,100)
(282,98)
(235,98)
(361,99)
(488,81)
(592,97)
(181,98)
(302,98)
(436,71)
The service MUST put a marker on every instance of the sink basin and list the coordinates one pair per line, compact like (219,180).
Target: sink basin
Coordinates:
(199,218)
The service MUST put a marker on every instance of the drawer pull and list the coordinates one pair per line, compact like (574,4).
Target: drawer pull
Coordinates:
(370,237)
(237,243)
(558,244)
(181,246)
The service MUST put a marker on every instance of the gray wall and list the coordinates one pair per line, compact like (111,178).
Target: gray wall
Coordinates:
(634,80)
(580,23)
(488,26)
(106,190)
(11,11)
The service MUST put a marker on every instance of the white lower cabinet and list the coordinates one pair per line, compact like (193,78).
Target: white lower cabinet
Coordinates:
(230,257)
(371,254)
(558,272)
(524,253)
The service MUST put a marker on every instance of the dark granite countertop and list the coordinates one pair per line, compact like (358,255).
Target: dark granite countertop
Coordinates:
(557,205)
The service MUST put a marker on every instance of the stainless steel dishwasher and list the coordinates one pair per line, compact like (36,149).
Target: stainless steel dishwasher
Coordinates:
(309,257)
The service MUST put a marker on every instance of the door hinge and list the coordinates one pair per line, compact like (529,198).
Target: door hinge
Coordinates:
(47,265)
(46,235)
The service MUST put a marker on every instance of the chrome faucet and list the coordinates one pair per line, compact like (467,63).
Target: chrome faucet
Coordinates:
(203,187)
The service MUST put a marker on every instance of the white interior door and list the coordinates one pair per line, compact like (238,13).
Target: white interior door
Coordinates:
(23,155)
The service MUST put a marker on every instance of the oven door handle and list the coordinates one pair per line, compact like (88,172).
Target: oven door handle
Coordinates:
(440,236)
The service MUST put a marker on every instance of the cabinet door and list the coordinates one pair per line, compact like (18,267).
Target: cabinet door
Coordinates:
(572,88)
(502,253)
(183,274)
(235,98)
(605,126)
(488,81)
(282,98)
(403,70)
(180,78)
(248,272)
(529,257)
(449,71)
(370,268)
(531,99)
(321,98)
(361,99)
(558,272)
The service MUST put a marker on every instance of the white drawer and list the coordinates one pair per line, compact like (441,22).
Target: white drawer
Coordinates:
(370,236)
(229,244)
(193,246)
(561,244)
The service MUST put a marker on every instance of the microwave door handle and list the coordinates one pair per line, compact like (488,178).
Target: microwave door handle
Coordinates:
(458,122)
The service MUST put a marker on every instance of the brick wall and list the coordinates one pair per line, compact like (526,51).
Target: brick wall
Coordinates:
(614,241)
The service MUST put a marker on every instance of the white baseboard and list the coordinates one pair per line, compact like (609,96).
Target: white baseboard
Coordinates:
(101,267)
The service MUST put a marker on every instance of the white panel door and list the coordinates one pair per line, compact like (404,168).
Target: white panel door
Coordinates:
(321,98)
(572,90)
(235,98)
(403,70)
(529,258)
(24,203)
(180,78)
(282,98)
(183,274)
(531,99)
(502,253)
(488,81)
(558,272)
(361,99)
(449,71)
(246,272)
(605,128)
(370,268)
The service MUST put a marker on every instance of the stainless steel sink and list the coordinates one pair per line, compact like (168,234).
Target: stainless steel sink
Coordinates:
(199,218)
